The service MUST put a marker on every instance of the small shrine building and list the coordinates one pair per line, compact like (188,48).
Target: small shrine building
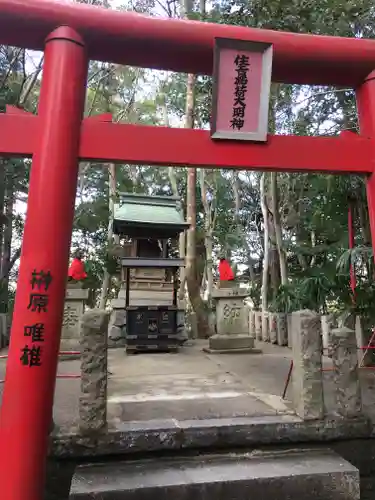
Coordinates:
(147,314)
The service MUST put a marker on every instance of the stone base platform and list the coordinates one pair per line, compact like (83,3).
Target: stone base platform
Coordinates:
(293,474)
(231,343)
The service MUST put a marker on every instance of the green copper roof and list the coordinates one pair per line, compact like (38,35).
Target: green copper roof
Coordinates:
(142,209)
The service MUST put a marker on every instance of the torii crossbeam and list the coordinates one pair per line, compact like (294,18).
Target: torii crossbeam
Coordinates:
(70,35)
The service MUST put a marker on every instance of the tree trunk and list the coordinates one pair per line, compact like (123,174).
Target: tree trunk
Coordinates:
(111,206)
(273,258)
(209,264)
(182,237)
(278,230)
(193,284)
(29,87)
(264,289)
(3,165)
(174,185)
(191,268)
(7,246)
(209,221)
(240,233)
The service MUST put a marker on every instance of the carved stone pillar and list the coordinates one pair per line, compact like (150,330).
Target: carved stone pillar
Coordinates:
(74,308)
(93,399)
(307,378)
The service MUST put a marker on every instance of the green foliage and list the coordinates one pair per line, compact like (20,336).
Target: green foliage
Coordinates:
(286,299)
(313,207)
(254,292)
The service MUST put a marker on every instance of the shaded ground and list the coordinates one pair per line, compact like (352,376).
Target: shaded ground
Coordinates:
(192,385)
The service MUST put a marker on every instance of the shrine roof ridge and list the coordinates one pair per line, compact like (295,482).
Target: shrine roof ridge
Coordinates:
(154,200)
(184,46)
(139,210)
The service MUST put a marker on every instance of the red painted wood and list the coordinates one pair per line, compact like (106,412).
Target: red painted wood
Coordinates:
(366,116)
(178,45)
(106,141)
(163,146)
(26,409)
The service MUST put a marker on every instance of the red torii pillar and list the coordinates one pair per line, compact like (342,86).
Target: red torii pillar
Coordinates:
(365,95)
(33,353)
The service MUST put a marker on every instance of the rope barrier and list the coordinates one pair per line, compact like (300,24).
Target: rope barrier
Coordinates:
(61,353)
(65,375)
(365,348)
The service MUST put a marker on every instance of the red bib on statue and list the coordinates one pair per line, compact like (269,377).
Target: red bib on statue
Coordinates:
(77,270)
(225,271)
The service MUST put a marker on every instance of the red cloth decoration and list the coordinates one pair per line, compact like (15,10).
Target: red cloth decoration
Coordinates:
(225,271)
(77,270)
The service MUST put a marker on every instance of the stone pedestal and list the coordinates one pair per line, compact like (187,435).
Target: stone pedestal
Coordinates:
(232,322)
(307,378)
(347,394)
(75,299)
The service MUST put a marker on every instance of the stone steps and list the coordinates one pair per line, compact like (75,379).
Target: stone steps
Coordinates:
(287,475)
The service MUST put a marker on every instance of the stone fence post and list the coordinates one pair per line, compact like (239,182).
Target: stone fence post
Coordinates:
(93,399)
(265,326)
(272,326)
(282,329)
(258,325)
(307,377)
(347,395)
(252,329)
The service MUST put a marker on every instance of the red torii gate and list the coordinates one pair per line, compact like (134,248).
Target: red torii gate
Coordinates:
(57,138)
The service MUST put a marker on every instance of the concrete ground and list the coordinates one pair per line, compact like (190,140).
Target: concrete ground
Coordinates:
(195,385)
(191,384)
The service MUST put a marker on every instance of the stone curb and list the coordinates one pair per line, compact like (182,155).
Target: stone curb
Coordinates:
(173,435)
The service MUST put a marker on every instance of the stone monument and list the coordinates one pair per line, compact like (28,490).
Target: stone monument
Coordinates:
(74,308)
(232,322)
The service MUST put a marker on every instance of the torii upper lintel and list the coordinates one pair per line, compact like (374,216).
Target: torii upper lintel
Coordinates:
(186,46)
